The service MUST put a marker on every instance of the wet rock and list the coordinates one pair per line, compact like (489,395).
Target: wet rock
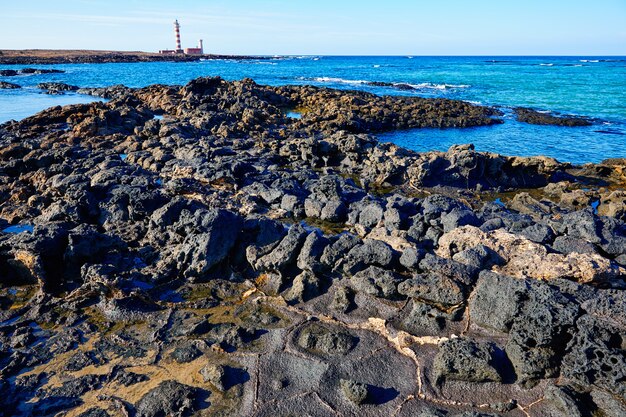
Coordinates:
(169,398)
(613,205)
(535,117)
(56,88)
(8,86)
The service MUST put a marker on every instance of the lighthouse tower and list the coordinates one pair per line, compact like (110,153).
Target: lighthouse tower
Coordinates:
(179,48)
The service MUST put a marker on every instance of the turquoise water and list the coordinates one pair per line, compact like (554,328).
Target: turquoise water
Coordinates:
(590,86)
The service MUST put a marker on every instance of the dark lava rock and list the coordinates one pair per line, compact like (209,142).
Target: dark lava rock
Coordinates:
(224,377)
(94,412)
(343,300)
(377,282)
(467,360)
(283,255)
(597,355)
(371,252)
(8,86)
(354,391)
(568,244)
(212,234)
(411,258)
(434,288)
(214,374)
(539,319)
(186,353)
(169,398)
(538,118)
(420,319)
(57,88)
(317,338)
(40,71)
(303,288)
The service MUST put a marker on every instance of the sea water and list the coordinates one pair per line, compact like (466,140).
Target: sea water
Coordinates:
(589,86)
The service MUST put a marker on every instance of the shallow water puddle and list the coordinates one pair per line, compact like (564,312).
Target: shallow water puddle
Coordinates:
(19,228)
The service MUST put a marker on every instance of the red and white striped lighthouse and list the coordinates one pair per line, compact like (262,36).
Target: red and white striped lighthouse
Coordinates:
(179,48)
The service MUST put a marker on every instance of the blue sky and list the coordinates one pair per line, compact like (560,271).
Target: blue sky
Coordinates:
(329,27)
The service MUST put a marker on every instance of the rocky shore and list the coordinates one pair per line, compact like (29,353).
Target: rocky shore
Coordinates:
(42,57)
(198,250)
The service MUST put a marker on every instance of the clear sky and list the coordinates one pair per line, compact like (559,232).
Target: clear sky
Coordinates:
(323,27)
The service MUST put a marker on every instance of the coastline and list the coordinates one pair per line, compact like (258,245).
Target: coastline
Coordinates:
(50,57)
(258,246)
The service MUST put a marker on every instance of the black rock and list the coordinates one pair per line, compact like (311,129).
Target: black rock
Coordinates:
(467,360)
(169,398)
(538,118)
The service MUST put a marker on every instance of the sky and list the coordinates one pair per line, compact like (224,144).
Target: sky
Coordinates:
(322,27)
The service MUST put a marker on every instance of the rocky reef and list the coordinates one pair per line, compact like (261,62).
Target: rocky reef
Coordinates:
(195,250)
(535,117)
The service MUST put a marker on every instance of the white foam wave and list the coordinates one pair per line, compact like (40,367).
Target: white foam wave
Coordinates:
(433,86)
(546,65)
(339,80)
(421,86)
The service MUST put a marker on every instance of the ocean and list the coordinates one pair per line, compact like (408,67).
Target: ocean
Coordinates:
(588,86)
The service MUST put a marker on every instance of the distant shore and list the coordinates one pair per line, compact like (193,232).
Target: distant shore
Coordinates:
(46,56)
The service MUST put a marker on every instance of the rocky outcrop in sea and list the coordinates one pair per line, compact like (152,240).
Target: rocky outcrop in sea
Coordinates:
(195,250)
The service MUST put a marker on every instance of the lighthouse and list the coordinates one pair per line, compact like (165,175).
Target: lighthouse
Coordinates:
(179,48)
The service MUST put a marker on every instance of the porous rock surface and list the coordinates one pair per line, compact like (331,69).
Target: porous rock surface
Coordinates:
(225,259)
